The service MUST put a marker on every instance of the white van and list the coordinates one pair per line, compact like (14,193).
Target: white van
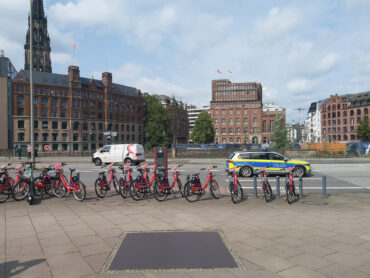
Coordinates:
(126,153)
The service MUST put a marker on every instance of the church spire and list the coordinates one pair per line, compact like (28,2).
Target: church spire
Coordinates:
(41,40)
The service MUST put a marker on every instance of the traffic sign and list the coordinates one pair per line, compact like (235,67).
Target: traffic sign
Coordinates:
(46,148)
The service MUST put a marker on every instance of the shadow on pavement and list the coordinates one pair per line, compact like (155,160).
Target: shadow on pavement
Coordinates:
(13,268)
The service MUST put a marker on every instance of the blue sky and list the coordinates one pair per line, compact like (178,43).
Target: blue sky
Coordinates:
(301,51)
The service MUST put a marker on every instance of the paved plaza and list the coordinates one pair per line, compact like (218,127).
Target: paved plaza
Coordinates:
(314,237)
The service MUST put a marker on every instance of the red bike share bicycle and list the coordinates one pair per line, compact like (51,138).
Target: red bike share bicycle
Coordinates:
(125,180)
(162,187)
(236,191)
(6,183)
(102,185)
(193,188)
(291,196)
(140,186)
(74,185)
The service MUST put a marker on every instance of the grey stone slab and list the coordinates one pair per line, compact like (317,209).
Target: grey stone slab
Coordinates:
(310,261)
(346,248)
(74,270)
(269,262)
(282,250)
(69,260)
(301,272)
(349,260)
(59,249)
(93,249)
(315,250)
(97,261)
(342,271)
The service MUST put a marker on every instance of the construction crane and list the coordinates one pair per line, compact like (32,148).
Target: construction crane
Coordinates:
(299,109)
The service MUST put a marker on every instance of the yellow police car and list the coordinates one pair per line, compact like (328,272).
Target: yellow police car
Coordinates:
(248,162)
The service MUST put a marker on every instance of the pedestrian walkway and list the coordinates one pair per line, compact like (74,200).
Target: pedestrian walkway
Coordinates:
(311,238)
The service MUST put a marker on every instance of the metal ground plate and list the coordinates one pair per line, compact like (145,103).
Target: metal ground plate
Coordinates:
(171,251)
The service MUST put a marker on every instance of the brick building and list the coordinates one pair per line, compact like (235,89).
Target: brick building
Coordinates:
(341,115)
(72,112)
(238,113)
(179,118)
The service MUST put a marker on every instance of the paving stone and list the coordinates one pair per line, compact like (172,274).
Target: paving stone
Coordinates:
(341,271)
(349,260)
(268,261)
(59,249)
(346,248)
(301,272)
(97,261)
(282,250)
(309,261)
(93,249)
(72,271)
(315,250)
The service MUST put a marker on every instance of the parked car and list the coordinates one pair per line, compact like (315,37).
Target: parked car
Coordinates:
(247,162)
(124,153)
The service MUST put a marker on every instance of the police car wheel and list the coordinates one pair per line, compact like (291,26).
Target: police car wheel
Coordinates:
(246,171)
(298,171)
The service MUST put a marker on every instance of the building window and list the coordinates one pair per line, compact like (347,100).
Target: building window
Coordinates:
(64,136)
(54,102)
(54,147)
(75,114)
(352,129)
(351,113)
(54,137)
(63,114)
(345,137)
(75,137)
(92,115)
(246,130)
(54,113)
(351,121)
(64,125)
(54,125)
(64,147)
(230,121)
(216,121)
(36,124)
(36,136)
(85,126)
(100,116)
(133,128)
(100,136)
(75,147)
(20,111)
(20,100)
(223,131)
(35,101)
(63,103)
(45,124)
(85,137)
(44,112)
(85,146)
(45,137)
(128,138)
(44,101)
(264,127)
(344,121)
(353,137)
(230,130)
(216,130)
(133,137)
(20,136)
(75,125)
(100,126)
(238,130)
(92,137)
(20,124)
(92,126)
(254,120)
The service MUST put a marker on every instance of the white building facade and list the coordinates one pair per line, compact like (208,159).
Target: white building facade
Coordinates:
(312,125)
(193,112)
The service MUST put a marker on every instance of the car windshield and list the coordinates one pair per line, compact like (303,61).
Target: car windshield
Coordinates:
(231,156)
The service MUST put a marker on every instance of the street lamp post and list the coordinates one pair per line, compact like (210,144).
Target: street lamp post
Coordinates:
(31,192)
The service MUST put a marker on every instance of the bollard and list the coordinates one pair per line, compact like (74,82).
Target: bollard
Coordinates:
(255,186)
(324,186)
(300,187)
(277,187)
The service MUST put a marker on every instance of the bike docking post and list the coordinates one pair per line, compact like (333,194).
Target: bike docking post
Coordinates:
(324,186)
(277,187)
(255,186)
(300,187)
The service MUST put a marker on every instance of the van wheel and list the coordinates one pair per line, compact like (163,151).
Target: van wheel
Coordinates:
(97,161)
(127,160)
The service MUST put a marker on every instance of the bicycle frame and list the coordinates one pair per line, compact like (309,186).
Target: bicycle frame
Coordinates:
(164,186)
(68,186)
(209,178)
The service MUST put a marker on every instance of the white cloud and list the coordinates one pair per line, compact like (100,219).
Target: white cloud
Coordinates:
(61,59)
(300,85)
(278,22)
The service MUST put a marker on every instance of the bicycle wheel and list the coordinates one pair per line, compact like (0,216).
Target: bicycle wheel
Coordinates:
(135,192)
(20,190)
(191,195)
(37,187)
(159,195)
(214,189)
(4,194)
(79,191)
(123,187)
(58,188)
(289,194)
(267,191)
(236,192)
(179,185)
(116,184)
(100,189)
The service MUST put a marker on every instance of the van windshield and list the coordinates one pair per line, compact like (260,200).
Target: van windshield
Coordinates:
(106,149)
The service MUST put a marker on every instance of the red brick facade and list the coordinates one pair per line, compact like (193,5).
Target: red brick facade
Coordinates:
(341,115)
(72,113)
(238,114)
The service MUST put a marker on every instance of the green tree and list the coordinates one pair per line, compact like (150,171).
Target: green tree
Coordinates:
(279,139)
(157,121)
(363,129)
(203,131)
